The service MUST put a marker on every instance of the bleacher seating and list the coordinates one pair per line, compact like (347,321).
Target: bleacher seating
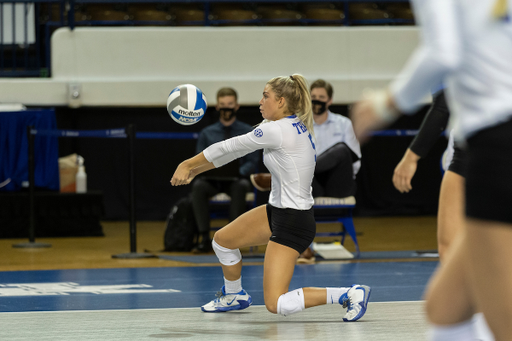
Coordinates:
(400,11)
(279,15)
(187,15)
(233,16)
(322,14)
(367,11)
(149,13)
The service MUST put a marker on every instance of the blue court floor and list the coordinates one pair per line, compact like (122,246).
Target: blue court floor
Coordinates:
(191,287)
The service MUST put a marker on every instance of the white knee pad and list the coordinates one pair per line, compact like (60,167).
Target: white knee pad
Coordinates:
(226,256)
(290,303)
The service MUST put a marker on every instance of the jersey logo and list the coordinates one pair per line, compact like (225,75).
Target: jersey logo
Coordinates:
(258,132)
(301,128)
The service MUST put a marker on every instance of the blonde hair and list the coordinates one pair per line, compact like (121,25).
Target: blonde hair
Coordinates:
(500,9)
(294,89)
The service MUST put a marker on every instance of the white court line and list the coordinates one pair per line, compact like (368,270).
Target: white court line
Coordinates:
(154,309)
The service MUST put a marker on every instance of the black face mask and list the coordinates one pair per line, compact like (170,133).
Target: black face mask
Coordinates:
(227,113)
(319,107)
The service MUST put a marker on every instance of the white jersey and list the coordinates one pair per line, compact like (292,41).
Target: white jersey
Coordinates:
(335,129)
(288,152)
(467,46)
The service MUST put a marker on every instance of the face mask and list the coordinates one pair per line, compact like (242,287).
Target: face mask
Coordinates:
(319,107)
(227,113)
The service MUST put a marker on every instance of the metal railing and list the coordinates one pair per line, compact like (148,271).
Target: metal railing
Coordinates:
(26,25)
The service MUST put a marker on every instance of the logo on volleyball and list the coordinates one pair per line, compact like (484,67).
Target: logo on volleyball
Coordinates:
(186,104)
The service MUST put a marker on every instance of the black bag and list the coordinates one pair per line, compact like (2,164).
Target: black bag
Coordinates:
(181,227)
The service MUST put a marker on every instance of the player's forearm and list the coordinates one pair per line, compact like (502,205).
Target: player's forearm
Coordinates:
(198,164)
(411,156)
(201,169)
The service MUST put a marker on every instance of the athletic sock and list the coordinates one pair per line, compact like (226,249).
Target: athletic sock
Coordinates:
(455,332)
(233,287)
(334,294)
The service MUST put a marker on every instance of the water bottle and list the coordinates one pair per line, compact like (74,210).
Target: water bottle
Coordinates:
(81,177)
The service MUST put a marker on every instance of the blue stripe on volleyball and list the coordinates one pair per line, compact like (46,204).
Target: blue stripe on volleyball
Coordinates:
(174,90)
(175,115)
(200,104)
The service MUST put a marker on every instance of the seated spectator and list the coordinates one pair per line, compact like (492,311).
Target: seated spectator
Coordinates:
(231,179)
(337,149)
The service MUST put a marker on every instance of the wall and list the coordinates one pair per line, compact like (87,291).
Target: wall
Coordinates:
(138,66)
(124,75)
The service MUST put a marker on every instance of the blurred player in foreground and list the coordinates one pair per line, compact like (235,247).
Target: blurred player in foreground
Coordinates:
(468,46)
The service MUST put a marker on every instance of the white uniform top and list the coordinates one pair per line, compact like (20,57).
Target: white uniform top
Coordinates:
(335,129)
(463,44)
(288,152)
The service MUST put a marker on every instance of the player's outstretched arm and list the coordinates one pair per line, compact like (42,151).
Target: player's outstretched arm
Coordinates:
(377,110)
(189,168)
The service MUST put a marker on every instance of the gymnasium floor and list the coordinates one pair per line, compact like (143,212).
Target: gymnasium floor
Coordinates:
(76,291)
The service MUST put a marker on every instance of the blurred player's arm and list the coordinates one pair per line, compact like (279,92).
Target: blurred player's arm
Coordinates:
(438,54)
(433,125)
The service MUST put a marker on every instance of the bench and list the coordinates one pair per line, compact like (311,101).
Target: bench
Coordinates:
(336,210)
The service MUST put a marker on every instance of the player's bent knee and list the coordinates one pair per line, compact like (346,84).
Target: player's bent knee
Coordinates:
(429,309)
(226,256)
(290,303)
(221,237)
(433,310)
(271,307)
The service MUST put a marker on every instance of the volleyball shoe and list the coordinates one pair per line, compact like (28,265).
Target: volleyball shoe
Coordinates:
(356,301)
(226,302)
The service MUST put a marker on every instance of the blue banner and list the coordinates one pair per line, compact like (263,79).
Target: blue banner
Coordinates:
(14,150)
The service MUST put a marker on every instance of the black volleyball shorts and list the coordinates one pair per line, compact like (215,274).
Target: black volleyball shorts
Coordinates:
(290,227)
(489,174)
(459,162)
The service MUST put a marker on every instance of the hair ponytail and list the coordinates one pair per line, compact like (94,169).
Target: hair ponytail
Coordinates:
(294,89)
(500,9)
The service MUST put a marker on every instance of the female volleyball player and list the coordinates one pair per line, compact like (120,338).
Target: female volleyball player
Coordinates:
(450,217)
(469,45)
(286,224)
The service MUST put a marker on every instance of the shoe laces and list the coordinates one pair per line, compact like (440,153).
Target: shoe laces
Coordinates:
(347,304)
(219,295)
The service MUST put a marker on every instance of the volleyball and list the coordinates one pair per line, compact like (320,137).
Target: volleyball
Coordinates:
(186,104)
